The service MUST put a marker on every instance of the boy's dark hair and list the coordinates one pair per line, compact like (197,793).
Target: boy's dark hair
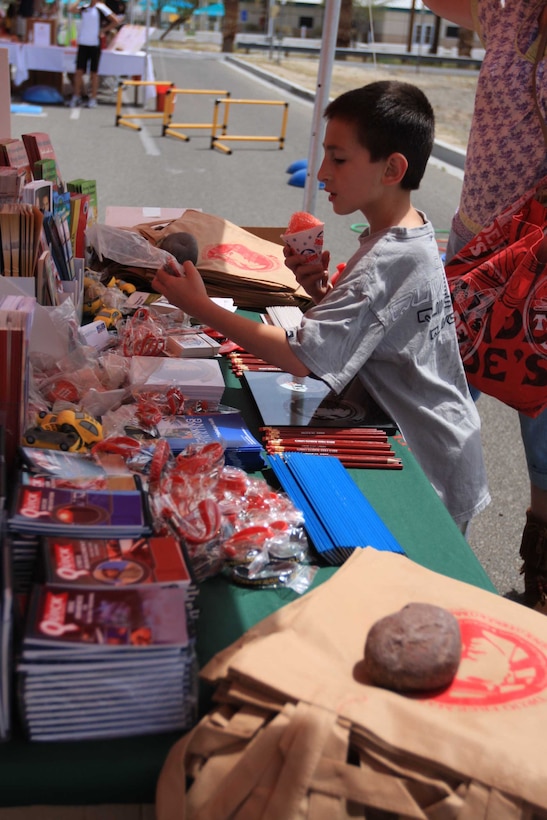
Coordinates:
(390,117)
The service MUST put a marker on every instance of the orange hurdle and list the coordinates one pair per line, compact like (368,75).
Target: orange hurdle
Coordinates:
(126,119)
(171,128)
(228,102)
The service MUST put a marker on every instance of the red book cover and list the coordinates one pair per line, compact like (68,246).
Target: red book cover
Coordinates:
(140,617)
(79,211)
(115,562)
(14,155)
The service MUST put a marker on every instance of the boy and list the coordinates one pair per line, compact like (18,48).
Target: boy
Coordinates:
(388,319)
(89,46)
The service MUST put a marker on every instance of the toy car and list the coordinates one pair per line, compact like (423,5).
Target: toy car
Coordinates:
(68,441)
(82,424)
(110,316)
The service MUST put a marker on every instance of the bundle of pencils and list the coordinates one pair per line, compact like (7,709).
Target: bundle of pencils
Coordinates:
(338,518)
(241,361)
(361,447)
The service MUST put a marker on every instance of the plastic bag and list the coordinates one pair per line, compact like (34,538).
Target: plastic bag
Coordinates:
(128,248)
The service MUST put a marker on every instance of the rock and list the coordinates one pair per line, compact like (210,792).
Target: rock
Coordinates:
(415,649)
(183,246)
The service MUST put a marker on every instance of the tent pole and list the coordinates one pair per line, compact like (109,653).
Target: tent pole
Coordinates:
(324,74)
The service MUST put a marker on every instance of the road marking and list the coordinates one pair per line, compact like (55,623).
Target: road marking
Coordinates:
(148,142)
(149,145)
(75,113)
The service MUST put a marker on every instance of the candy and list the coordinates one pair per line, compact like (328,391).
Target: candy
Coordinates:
(301,221)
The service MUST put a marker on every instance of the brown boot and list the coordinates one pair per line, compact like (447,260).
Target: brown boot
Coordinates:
(533,551)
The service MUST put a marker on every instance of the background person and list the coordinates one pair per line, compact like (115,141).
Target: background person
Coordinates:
(389,318)
(506,156)
(96,19)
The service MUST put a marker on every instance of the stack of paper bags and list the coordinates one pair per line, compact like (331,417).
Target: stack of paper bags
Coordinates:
(235,262)
(299,731)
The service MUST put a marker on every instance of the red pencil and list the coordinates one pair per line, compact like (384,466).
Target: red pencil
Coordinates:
(338,432)
(266,368)
(333,449)
(371,444)
(330,451)
(246,358)
(393,464)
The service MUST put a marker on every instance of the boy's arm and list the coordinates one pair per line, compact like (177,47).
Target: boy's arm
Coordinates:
(457,11)
(268,342)
(107,12)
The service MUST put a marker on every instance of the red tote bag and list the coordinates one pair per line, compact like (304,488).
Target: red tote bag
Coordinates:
(498,283)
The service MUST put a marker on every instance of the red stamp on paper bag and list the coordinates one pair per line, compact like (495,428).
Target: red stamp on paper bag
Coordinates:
(240,256)
(500,665)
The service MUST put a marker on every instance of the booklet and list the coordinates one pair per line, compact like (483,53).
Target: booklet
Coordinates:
(79,512)
(284,400)
(115,562)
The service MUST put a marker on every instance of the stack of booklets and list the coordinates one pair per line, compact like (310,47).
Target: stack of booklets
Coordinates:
(199,379)
(54,468)
(117,562)
(241,448)
(105,662)
(80,513)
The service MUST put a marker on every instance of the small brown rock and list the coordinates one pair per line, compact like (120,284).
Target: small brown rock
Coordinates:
(415,649)
(183,246)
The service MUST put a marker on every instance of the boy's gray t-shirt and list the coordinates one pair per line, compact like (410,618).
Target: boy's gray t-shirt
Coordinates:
(389,320)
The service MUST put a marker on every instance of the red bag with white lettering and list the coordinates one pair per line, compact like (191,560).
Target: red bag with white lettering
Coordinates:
(498,283)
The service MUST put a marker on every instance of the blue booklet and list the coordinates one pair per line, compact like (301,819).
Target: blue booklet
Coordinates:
(241,448)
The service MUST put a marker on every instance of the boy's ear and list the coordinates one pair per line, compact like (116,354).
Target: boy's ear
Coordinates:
(395,169)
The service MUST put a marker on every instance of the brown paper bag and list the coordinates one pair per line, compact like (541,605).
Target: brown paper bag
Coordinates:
(472,751)
(234,262)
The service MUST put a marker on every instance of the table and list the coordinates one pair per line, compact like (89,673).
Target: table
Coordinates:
(125,770)
(26,57)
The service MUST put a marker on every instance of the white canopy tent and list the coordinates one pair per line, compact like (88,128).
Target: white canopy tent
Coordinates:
(324,73)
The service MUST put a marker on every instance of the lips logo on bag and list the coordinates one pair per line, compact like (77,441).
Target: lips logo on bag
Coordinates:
(500,665)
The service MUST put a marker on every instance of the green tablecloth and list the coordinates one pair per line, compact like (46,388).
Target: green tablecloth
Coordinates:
(126,770)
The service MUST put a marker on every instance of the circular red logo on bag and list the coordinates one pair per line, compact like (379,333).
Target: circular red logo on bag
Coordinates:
(242,257)
(500,664)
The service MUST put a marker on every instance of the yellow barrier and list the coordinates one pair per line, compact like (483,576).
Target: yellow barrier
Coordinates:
(127,119)
(170,128)
(228,102)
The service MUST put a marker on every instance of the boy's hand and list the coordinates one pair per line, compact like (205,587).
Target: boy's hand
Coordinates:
(312,276)
(183,286)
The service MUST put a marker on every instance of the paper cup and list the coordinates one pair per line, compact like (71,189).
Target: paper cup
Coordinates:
(308,242)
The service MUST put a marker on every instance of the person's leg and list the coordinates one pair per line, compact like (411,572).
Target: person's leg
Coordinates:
(81,66)
(77,89)
(533,548)
(94,76)
(94,88)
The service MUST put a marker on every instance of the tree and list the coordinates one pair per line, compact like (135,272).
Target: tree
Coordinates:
(230,24)
(345,24)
